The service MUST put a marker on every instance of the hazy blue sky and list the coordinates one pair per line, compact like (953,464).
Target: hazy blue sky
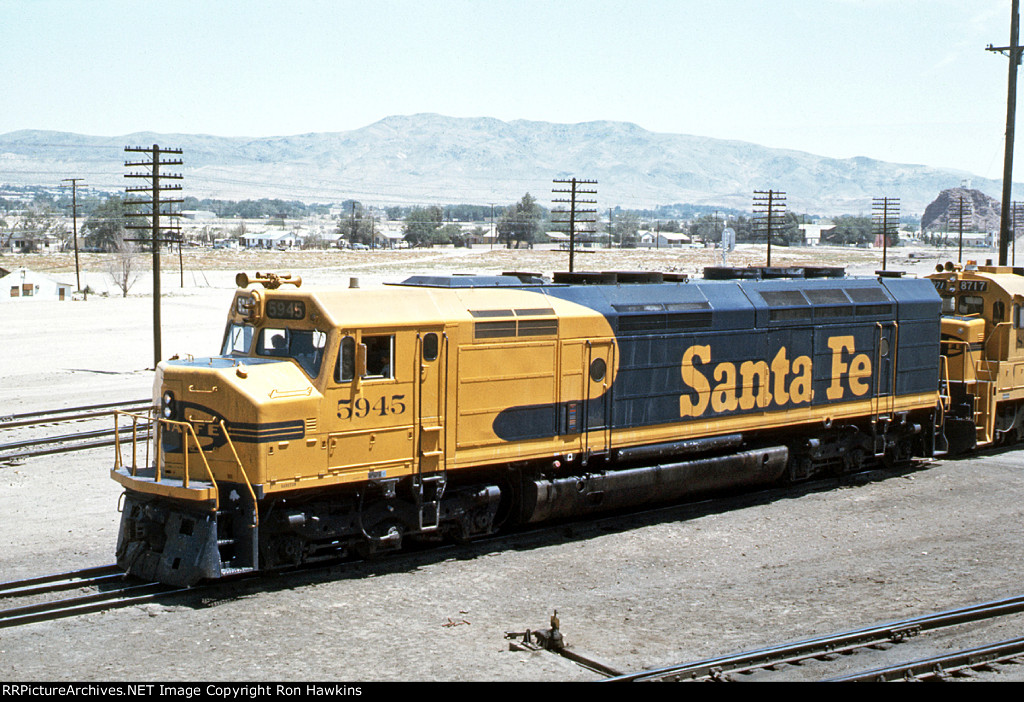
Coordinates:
(900,80)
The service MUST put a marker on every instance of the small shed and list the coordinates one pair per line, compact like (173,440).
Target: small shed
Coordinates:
(23,283)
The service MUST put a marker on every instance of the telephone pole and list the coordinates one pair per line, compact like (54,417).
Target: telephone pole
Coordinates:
(959,214)
(769,213)
(74,224)
(586,216)
(153,211)
(1018,226)
(1013,51)
(886,219)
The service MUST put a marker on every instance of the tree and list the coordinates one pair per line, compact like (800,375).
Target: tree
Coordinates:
(356,226)
(450,233)
(852,230)
(624,229)
(421,225)
(104,229)
(123,267)
(521,222)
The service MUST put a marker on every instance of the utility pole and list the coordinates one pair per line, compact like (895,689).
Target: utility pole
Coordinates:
(74,224)
(886,211)
(155,190)
(587,216)
(958,213)
(493,233)
(1013,51)
(769,213)
(1018,226)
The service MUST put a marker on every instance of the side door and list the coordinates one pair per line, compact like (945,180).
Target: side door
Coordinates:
(370,412)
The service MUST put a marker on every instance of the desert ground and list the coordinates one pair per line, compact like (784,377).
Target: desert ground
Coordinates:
(638,592)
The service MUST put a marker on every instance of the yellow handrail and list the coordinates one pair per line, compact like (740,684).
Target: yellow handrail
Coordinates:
(945,383)
(118,460)
(187,430)
(248,484)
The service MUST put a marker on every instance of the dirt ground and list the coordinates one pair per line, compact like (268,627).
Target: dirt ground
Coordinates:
(634,592)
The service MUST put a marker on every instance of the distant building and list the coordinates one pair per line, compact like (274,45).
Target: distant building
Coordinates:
(812,232)
(270,240)
(661,240)
(22,283)
(31,243)
(971,239)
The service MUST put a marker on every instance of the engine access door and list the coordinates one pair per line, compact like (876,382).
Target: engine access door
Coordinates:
(598,365)
(432,363)
(886,338)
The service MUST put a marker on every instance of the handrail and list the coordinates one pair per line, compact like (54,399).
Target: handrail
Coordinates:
(187,430)
(970,358)
(148,418)
(946,400)
(248,484)
(998,340)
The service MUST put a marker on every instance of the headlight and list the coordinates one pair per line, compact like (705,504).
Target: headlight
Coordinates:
(167,405)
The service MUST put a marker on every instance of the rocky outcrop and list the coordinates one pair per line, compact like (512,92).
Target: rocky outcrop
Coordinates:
(980,212)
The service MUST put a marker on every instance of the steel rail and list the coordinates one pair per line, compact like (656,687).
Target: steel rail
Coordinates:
(834,643)
(84,411)
(940,666)
(65,448)
(80,436)
(130,594)
(77,578)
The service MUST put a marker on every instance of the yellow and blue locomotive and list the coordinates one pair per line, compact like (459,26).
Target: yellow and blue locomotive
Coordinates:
(982,353)
(341,421)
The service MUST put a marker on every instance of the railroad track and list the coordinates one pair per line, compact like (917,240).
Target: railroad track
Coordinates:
(827,648)
(106,587)
(30,434)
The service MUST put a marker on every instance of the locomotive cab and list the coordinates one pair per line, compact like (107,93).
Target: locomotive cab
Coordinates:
(301,401)
(983,352)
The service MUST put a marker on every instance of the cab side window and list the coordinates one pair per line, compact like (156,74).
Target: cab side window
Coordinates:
(430,347)
(344,370)
(380,356)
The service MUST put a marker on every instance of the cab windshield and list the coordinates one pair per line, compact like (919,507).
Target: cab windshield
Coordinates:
(306,346)
(237,340)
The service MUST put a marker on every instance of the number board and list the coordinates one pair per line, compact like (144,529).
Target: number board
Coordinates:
(286,309)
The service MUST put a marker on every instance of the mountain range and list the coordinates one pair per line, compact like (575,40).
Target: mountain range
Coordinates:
(434,159)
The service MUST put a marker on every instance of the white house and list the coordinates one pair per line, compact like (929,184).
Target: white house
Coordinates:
(270,240)
(23,283)
(661,240)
